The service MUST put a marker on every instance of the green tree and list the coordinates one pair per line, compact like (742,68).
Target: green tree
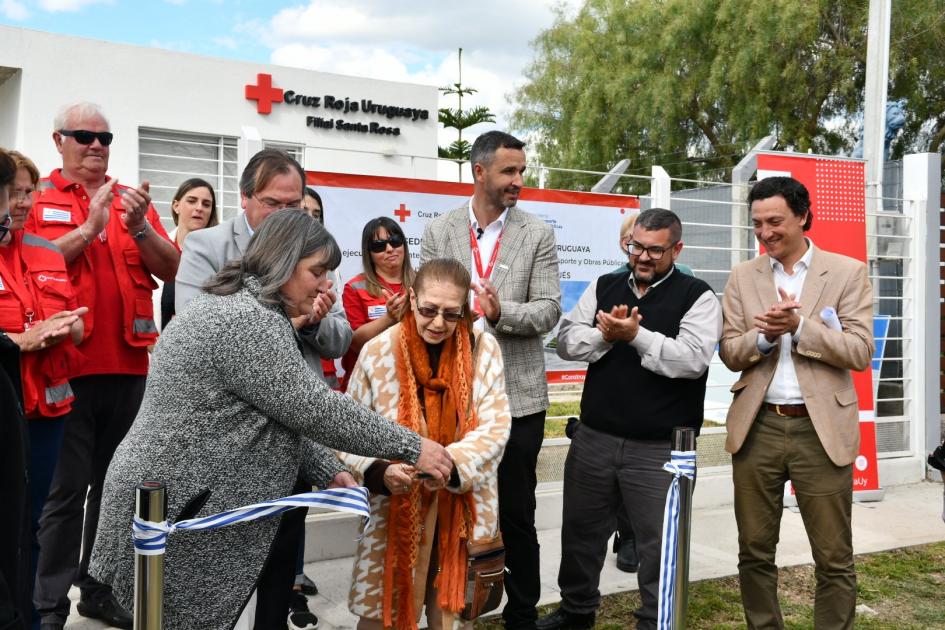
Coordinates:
(461,119)
(692,84)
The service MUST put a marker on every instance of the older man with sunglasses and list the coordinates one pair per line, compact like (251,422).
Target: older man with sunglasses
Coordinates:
(113,243)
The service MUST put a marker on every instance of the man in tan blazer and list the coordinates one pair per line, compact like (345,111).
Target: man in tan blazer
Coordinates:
(794,415)
(513,260)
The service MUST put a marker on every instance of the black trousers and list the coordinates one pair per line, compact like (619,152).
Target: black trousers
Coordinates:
(274,588)
(517,482)
(104,408)
(14,494)
(601,469)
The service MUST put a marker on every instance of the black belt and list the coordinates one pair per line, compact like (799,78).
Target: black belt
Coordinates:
(794,411)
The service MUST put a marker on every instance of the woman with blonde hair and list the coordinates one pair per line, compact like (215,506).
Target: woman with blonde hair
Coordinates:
(435,376)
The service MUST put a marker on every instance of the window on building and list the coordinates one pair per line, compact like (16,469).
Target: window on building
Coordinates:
(296,151)
(168,158)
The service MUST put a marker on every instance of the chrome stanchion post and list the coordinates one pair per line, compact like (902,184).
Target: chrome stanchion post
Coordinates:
(684,439)
(150,505)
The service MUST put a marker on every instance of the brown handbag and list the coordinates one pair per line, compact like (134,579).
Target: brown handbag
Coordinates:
(484,576)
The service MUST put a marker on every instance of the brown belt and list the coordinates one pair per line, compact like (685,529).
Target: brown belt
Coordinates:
(794,411)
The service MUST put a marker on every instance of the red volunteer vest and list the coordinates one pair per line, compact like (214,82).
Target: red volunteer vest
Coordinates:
(56,212)
(40,290)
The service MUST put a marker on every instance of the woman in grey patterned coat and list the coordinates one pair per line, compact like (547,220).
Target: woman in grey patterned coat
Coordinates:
(231,407)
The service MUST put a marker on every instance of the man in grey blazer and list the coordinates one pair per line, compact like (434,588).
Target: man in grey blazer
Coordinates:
(272,180)
(512,256)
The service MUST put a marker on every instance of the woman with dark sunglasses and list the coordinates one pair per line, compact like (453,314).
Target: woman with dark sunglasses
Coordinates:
(376,299)
(431,373)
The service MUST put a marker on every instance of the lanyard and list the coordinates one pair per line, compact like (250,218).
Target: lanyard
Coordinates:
(20,285)
(474,245)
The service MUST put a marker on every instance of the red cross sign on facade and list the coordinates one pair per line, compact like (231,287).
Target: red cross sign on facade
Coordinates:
(402,213)
(263,93)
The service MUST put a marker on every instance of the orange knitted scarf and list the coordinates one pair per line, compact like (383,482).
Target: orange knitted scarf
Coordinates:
(449,416)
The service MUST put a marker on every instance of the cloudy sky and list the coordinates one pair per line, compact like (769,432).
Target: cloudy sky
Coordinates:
(407,40)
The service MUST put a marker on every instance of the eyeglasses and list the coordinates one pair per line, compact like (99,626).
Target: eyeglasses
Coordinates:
(275,204)
(88,137)
(380,244)
(22,195)
(655,253)
(429,312)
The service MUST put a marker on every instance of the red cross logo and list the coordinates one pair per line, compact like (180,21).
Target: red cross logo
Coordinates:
(402,213)
(263,93)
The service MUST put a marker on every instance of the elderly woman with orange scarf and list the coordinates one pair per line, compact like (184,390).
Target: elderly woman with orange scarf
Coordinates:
(431,373)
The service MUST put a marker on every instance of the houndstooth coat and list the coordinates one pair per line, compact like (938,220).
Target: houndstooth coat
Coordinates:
(477,456)
(230,406)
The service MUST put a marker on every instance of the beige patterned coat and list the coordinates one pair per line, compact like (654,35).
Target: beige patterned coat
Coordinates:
(477,456)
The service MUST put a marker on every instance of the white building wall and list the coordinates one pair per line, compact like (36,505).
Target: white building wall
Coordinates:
(146,87)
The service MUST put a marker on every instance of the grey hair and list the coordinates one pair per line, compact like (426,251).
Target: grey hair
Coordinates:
(83,109)
(282,240)
(484,148)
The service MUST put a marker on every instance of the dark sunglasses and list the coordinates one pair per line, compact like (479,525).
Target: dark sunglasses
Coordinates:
(430,313)
(88,137)
(379,245)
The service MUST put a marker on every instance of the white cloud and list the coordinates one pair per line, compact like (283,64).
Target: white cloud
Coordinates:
(13,10)
(57,6)
(414,41)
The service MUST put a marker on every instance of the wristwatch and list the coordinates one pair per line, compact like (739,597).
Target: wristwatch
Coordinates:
(140,235)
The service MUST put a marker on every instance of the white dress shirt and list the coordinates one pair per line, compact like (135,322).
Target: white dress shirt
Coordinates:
(784,388)
(487,243)
(685,356)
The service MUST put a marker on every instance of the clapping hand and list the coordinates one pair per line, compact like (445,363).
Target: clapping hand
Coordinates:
(781,317)
(99,210)
(321,305)
(135,202)
(488,299)
(48,332)
(396,305)
(618,324)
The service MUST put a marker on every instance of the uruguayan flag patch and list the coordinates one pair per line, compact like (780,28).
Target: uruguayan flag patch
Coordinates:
(379,310)
(55,214)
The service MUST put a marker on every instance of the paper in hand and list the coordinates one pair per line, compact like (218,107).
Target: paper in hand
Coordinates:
(830,319)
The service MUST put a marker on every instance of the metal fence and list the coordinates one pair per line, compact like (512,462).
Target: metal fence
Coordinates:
(717,235)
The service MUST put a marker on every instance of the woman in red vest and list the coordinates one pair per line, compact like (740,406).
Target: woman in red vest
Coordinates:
(376,299)
(38,311)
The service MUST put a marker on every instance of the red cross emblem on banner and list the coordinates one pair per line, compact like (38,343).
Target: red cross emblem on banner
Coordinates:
(263,93)
(402,213)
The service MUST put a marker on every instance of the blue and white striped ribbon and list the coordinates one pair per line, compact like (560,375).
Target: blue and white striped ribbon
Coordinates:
(681,464)
(150,538)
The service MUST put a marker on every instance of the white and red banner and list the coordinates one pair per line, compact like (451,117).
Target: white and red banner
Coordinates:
(837,188)
(586,226)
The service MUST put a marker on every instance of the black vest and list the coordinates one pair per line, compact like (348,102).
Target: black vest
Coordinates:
(623,398)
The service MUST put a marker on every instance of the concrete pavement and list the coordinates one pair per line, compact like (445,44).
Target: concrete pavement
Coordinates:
(909,515)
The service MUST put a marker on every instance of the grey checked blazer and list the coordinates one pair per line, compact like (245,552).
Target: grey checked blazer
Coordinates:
(526,278)
(205,253)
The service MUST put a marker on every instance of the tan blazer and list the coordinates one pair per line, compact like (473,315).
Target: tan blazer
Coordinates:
(822,357)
